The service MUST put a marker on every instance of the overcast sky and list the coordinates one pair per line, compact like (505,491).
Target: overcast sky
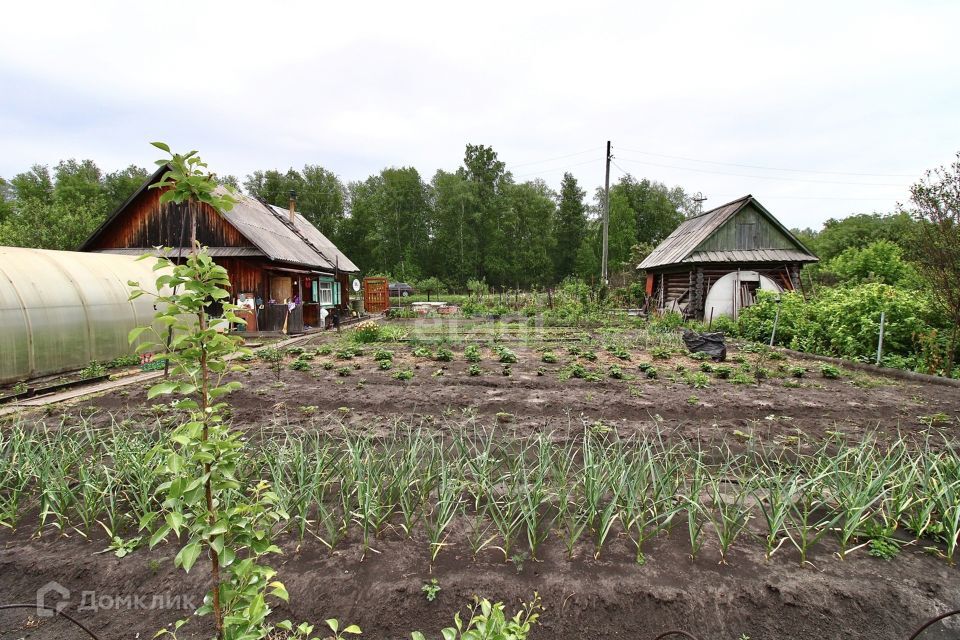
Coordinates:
(835,106)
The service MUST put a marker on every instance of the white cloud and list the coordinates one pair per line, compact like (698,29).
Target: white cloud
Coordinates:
(860,87)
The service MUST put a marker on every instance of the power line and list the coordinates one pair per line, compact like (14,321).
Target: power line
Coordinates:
(569,155)
(564,168)
(774,178)
(754,166)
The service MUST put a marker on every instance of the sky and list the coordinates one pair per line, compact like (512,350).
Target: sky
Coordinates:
(819,109)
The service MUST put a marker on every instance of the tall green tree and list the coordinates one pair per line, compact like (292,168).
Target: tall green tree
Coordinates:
(489,179)
(120,185)
(571,226)
(454,254)
(531,222)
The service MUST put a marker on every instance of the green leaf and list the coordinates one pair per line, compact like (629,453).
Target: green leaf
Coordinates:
(354,629)
(135,333)
(279,591)
(161,389)
(159,536)
(333,623)
(188,556)
(163,146)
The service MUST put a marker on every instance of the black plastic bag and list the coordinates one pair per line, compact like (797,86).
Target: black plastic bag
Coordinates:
(712,343)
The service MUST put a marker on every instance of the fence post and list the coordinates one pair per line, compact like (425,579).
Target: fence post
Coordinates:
(883,317)
(776,321)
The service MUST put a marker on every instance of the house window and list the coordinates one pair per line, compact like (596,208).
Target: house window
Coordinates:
(326,293)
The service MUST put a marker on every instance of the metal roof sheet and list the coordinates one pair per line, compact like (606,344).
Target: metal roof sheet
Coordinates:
(754,255)
(678,247)
(221,252)
(320,242)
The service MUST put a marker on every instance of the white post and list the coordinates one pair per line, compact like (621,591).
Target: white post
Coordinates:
(883,317)
(776,320)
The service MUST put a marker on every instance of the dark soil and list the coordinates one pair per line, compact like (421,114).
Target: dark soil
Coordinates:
(861,597)
(613,597)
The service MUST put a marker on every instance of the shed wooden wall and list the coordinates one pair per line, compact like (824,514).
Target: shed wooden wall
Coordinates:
(747,230)
(147,223)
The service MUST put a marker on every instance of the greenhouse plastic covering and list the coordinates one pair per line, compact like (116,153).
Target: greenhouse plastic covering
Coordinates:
(60,310)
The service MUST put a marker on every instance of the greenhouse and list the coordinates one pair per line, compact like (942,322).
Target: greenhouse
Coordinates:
(60,310)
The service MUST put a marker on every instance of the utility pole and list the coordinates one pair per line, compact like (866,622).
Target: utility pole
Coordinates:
(604,271)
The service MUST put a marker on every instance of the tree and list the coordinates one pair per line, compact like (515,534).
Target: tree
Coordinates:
(571,226)
(936,209)
(7,196)
(120,185)
(858,231)
(453,252)
(530,228)
(35,184)
(488,180)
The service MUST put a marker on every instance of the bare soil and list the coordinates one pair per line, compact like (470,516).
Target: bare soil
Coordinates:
(609,597)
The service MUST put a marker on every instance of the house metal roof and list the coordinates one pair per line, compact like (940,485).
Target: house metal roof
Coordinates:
(317,240)
(679,247)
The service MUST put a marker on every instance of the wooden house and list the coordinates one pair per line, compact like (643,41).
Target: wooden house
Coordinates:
(287,274)
(714,263)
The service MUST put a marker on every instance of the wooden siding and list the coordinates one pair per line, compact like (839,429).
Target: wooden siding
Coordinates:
(146,223)
(747,230)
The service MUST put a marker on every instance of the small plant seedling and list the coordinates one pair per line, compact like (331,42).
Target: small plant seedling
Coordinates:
(324,350)
(507,371)
(698,380)
(343,371)
(549,357)
(300,365)
(443,355)
(829,371)
(506,355)
(381,355)
(385,365)
(693,401)
(796,371)
(404,374)
(661,353)
(345,354)
(615,372)
(541,371)
(471,353)
(474,370)
(422,352)
(589,355)
(431,589)
(503,417)
(741,378)
(723,371)
(327,365)
(700,355)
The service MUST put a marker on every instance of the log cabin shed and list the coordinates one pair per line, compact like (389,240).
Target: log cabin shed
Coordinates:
(714,263)
(286,273)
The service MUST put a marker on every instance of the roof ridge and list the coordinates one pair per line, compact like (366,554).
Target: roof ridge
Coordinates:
(272,208)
